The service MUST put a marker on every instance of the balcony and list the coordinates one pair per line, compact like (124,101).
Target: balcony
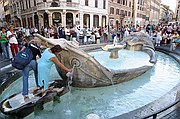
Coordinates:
(32,9)
(57,5)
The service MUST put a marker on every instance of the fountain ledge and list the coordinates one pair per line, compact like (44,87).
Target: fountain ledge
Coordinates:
(160,103)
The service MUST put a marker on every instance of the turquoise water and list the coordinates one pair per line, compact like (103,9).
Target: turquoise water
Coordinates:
(112,100)
(127,59)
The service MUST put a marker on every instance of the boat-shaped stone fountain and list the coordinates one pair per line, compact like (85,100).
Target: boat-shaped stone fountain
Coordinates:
(89,72)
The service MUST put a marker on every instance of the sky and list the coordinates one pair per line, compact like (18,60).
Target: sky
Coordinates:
(171,3)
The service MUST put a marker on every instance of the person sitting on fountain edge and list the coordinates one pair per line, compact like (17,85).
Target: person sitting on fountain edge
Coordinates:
(32,65)
(45,63)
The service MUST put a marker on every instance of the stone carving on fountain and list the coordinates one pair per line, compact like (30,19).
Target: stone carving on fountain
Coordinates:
(88,71)
(140,42)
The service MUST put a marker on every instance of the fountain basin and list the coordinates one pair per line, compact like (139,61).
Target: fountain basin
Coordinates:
(88,71)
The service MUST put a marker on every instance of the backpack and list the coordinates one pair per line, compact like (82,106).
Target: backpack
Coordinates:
(23,58)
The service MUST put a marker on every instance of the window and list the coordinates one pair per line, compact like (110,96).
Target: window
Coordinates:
(34,2)
(96,3)
(122,11)
(6,7)
(104,4)
(125,13)
(29,4)
(123,2)
(26,4)
(111,10)
(86,3)
(68,0)
(129,4)
(23,5)
(129,14)
(117,11)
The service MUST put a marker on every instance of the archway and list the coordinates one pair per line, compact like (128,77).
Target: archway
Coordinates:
(46,20)
(96,20)
(69,20)
(86,20)
(56,18)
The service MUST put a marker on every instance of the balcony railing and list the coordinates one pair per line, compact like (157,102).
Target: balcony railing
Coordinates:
(28,10)
(60,4)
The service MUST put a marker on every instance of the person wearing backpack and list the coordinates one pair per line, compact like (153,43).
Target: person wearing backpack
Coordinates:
(31,66)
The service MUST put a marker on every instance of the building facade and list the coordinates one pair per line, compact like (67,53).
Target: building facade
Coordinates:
(120,11)
(141,12)
(177,11)
(7,12)
(38,13)
(154,11)
(166,14)
(138,12)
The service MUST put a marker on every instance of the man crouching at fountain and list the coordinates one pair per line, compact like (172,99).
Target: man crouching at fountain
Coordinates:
(32,65)
(45,63)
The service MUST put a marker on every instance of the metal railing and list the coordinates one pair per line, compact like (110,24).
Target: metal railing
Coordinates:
(154,115)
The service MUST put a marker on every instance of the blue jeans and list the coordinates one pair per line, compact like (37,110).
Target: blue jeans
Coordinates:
(5,52)
(31,66)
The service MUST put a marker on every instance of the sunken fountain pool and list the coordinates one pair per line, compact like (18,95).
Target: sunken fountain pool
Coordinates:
(108,101)
(153,76)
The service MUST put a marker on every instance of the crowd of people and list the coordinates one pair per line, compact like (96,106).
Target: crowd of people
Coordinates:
(12,41)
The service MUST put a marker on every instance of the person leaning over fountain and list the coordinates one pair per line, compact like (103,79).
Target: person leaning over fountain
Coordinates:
(116,39)
(45,63)
(31,66)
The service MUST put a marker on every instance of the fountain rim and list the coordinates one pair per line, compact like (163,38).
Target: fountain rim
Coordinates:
(148,108)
